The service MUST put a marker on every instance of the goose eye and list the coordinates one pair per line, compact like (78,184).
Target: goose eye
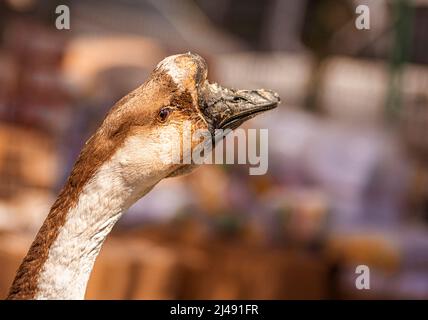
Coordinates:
(164,113)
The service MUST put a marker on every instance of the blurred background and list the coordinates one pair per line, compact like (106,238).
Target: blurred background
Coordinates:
(348,147)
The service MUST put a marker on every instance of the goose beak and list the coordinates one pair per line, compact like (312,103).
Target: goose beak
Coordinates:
(229,108)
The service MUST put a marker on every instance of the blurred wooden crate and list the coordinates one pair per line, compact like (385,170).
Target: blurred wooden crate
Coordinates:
(230,268)
(237,272)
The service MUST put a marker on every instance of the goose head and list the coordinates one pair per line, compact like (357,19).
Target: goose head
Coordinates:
(147,121)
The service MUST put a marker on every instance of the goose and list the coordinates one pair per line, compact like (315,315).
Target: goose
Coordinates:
(120,163)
